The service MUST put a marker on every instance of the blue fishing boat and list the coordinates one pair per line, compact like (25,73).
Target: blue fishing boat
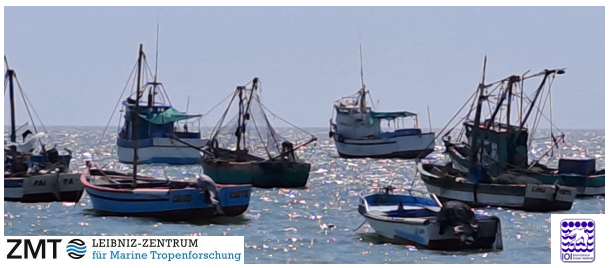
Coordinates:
(404,216)
(504,147)
(120,194)
(161,125)
(34,173)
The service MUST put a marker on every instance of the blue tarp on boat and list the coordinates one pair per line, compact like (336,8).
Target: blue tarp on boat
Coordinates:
(391,115)
(168,116)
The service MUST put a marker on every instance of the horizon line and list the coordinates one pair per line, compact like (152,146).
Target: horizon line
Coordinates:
(422,128)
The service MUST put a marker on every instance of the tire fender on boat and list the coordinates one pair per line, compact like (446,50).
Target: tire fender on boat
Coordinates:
(340,138)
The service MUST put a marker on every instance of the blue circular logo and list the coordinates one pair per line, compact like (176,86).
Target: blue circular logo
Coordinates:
(76,249)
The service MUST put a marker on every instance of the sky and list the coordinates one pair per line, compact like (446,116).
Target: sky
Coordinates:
(73,62)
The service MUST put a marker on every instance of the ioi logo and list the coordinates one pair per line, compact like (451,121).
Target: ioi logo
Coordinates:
(76,249)
(578,240)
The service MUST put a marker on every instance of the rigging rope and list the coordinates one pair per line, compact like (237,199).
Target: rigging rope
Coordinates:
(117,104)
(28,103)
(259,135)
(284,120)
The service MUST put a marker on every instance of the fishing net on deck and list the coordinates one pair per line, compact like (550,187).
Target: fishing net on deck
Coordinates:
(248,124)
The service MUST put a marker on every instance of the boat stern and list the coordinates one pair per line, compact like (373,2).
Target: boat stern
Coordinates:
(234,199)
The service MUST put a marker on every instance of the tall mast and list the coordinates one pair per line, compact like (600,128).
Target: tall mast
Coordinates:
(247,111)
(477,118)
(540,87)
(136,123)
(240,117)
(363,87)
(511,80)
(531,107)
(152,92)
(11,74)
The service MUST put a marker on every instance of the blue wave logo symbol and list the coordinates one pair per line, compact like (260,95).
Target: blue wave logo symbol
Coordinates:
(76,249)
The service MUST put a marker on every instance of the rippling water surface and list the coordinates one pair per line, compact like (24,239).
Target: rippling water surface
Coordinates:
(312,225)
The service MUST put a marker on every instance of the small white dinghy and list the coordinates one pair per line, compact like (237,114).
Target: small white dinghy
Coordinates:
(404,216)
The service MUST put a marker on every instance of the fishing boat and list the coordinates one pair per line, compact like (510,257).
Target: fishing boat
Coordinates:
(449,184)
(119,194)
(481,184)
(357,130)
(405,216)
(161,122)
(122,194)
(505,143)
(32,172)
(248,150)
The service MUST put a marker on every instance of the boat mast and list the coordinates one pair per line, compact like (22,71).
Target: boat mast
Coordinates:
(246,113)
(11,73)
(152,92)
(511,80)
(238,131)
(135,116)
(477,118)
(531,107)
(363,87)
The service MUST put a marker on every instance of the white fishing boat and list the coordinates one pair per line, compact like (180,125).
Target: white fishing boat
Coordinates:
(33,173)
(358,133)
(405,216)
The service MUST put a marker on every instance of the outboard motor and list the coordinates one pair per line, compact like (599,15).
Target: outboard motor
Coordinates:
(460,217)
(209,191)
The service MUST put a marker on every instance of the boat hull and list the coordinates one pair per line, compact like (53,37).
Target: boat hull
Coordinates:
(403,147)
(585,185)
(258,174)
(66,187)
(161,151)
(169,203)
(427,234)
(527,197)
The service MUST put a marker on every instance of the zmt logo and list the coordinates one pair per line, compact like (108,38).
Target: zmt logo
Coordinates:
(76,249)
(577,240)
(31,252)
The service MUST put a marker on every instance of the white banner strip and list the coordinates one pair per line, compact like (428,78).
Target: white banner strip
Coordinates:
(152,250)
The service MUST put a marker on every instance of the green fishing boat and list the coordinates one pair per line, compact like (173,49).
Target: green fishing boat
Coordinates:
(248,150)
(505,142)
(483,182)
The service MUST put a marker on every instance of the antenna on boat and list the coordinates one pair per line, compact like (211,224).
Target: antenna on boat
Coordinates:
(363,89)
(429,120)
(153,91)
(188,101)
(157,54)
(484,70)
(361,68)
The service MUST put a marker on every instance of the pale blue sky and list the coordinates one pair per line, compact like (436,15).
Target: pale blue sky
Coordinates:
(74,61)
